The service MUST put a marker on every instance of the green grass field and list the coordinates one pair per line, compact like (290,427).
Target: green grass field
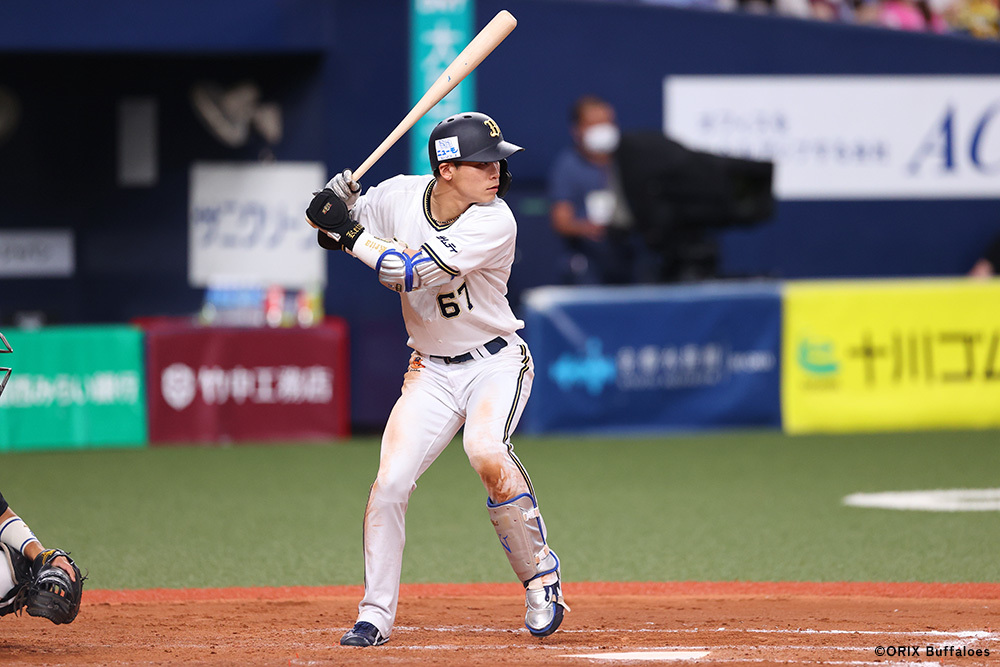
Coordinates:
(753,506)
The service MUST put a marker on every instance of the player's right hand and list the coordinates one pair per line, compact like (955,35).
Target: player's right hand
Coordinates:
(345,187)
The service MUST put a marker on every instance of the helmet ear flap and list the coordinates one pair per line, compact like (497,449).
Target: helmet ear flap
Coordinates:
(505,179)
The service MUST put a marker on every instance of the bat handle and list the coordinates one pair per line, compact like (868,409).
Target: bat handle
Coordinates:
(365,166)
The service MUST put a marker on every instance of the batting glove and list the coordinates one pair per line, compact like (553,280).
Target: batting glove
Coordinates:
(345,187)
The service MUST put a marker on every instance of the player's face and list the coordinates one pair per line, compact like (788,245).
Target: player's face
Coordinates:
(476,182)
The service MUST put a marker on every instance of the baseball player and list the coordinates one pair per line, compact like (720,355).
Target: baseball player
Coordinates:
(445,242)
(46,581)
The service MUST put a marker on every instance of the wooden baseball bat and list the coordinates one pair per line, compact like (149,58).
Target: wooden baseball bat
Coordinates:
(481,46)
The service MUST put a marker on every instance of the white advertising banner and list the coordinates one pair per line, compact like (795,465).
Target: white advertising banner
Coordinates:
(37,253)
(848,137)
(247,223)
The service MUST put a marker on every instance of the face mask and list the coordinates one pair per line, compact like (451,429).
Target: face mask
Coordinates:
(602,138)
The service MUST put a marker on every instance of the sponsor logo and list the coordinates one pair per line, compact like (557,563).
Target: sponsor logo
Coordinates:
(416,363)
(28,390)
(817,358)
(652,367)
(943,146)
(178,386)
(447,148)
(181,385)
(447,243)
(591,370)
(905,358)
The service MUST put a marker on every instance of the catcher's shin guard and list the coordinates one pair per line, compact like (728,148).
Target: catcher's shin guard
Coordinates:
(15,573)
(521,531)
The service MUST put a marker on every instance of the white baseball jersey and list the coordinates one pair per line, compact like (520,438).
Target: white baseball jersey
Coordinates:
(477,249)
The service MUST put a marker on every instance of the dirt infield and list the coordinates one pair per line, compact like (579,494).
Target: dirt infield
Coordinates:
(611,624)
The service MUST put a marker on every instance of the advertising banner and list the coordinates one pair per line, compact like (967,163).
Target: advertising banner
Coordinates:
(37,253)
(648,359)
(73,388)
(848,137)
(439,30)
(247,224)
(250,384)
(891,355)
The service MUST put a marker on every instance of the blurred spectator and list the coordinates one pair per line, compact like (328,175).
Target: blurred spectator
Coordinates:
(912,15)
(989,264)
(694,4)
(797,8)
(838,11)
(976,18)
(582,199)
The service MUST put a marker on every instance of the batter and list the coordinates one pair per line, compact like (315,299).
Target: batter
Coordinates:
(445,242)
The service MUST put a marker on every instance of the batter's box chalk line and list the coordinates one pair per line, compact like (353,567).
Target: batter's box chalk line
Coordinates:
(945,634)
(652,655)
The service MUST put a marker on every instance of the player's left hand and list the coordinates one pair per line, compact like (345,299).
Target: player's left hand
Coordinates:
(328,212)
(327,242)
(56,587)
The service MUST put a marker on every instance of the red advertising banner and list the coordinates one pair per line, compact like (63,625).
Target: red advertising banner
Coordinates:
(247,384)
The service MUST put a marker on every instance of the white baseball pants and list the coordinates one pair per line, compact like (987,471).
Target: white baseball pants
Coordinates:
(487,395)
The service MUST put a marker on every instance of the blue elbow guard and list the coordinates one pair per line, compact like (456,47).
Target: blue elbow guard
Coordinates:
(408,268)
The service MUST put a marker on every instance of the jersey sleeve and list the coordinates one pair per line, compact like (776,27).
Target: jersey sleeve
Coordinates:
(368,211)
(483,241)
(3,504)
(380,206)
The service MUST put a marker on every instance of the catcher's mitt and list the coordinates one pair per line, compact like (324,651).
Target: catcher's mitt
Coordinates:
(51,593)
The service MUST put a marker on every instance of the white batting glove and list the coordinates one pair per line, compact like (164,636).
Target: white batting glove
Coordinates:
(345,187)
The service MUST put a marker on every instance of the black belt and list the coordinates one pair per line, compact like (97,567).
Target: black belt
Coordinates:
(492,347)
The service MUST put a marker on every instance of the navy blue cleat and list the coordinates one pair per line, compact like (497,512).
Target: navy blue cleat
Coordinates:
(545,609)
(363,634)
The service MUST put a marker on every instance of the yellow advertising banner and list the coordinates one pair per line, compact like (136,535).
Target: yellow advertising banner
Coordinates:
(890,355)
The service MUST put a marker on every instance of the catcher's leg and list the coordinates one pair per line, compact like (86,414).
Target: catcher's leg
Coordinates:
(497,400)
(15,573)
(419,428)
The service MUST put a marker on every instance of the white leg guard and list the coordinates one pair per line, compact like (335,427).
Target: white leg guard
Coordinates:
(521,531)
(15,571)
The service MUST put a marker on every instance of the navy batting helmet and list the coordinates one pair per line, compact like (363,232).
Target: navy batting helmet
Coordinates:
(471,137)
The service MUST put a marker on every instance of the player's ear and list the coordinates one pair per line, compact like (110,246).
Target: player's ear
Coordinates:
(447,170)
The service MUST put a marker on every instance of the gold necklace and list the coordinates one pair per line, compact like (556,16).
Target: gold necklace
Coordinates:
(427,207)
(446,222)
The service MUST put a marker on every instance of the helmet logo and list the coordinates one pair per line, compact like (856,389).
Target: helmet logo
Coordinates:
(494,128)
(447,148)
